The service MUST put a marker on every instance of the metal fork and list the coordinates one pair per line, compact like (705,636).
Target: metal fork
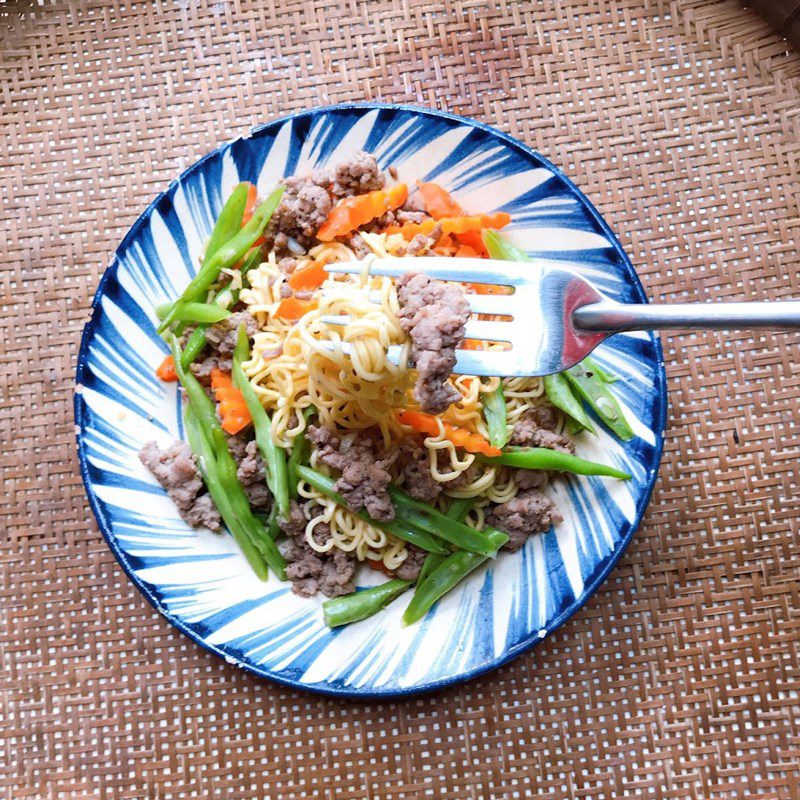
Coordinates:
(557,317)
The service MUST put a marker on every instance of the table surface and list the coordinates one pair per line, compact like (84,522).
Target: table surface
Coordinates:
(680,677)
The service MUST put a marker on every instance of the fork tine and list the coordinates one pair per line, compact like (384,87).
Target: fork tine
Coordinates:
(486,363)
(492,331)
(469,270)
(393,352)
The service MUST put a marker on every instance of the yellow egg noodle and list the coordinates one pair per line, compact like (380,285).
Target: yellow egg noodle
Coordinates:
(295,365)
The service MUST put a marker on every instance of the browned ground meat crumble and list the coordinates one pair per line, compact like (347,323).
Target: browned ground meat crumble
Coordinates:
(221,339)
(358,174)
(176,470)
(536,428)
(412,564)
(365,474)
(529,512)
(434,314)
(251,471)
(309,571)
(415,473)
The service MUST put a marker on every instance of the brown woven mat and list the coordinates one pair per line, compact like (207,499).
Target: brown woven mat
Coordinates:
(680,677)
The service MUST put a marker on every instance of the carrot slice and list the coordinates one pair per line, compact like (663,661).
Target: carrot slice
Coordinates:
(250,205)
(233,411)
(465,251)
(292,309)
(452,225)
(474,240)
(166,370)
(311,277)
(460,437)
(351,213)
(438,201)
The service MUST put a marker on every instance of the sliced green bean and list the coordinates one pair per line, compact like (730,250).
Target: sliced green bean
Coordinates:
(589,385)
(229,221)
(206,418)
(441,580)
(501,249)
(559,393)
(427,518)
(226,256)
(206,462)
(274,456)
(495,414)
(397,527)
(605,376)
(301,450)
(457,510)
(544,458)
(201,312)
(360,605)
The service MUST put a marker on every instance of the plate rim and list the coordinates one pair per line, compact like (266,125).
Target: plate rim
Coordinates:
(590,588)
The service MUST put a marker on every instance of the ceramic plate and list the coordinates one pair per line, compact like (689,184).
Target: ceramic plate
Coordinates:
(199,581)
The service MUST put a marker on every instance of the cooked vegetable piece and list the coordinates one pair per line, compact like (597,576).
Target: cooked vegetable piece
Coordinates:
(360,605)
(428,424)
(452,225)
(588,384)
(201,312)
(559,392)
(438,201)
(166,370)
(309,278)
(291,309)
(351,213)
(274,456)
(544,458)
(233,411)
(494,412)
(301,450)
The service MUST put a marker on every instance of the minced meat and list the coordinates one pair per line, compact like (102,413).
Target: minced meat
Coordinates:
(176,470)
(250,471)
(309,571)
(221,338)
(434,314)
(536,428)
(527,513)
(357,174)
(415,470)
(305,205)
(365,474)
(412,564)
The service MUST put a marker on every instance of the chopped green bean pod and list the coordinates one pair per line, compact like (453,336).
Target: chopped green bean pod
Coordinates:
(495,414)
(362,604)
(301,450)
(544,458)
(201,312)
(226,256)
(559,394)
(605,376)
(589,385)
(274,456)
(499,248)
(442,579)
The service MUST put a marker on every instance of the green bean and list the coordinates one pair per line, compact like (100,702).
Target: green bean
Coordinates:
(397,527)
(201,312)
(227,298)
(225,256)
(206,462)
(301,450)
(162,310)
(494,412)
(274,456)
(559,393)
(458,510)
(441,580)
(589,385)
(544,458)
(363,604)
(236,498)
(501,249)
(427,518)
(605,376)
(241,506)
(229,221)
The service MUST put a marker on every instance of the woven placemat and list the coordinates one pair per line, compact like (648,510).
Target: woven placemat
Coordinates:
(680,677)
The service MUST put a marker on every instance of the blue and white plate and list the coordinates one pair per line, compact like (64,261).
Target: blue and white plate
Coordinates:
(199,581)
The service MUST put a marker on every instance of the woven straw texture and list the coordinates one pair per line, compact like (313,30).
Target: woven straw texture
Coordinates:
(679,679)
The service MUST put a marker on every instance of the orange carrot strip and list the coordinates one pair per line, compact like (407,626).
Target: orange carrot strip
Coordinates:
(351,213)
(452,225)
(438,201)
(312,277)
(292,309)
(474,240)
(233,411)
(166,370)
(460,437)
(465,251)
(250,205)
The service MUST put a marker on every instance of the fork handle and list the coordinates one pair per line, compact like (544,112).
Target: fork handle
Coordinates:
(614,317)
